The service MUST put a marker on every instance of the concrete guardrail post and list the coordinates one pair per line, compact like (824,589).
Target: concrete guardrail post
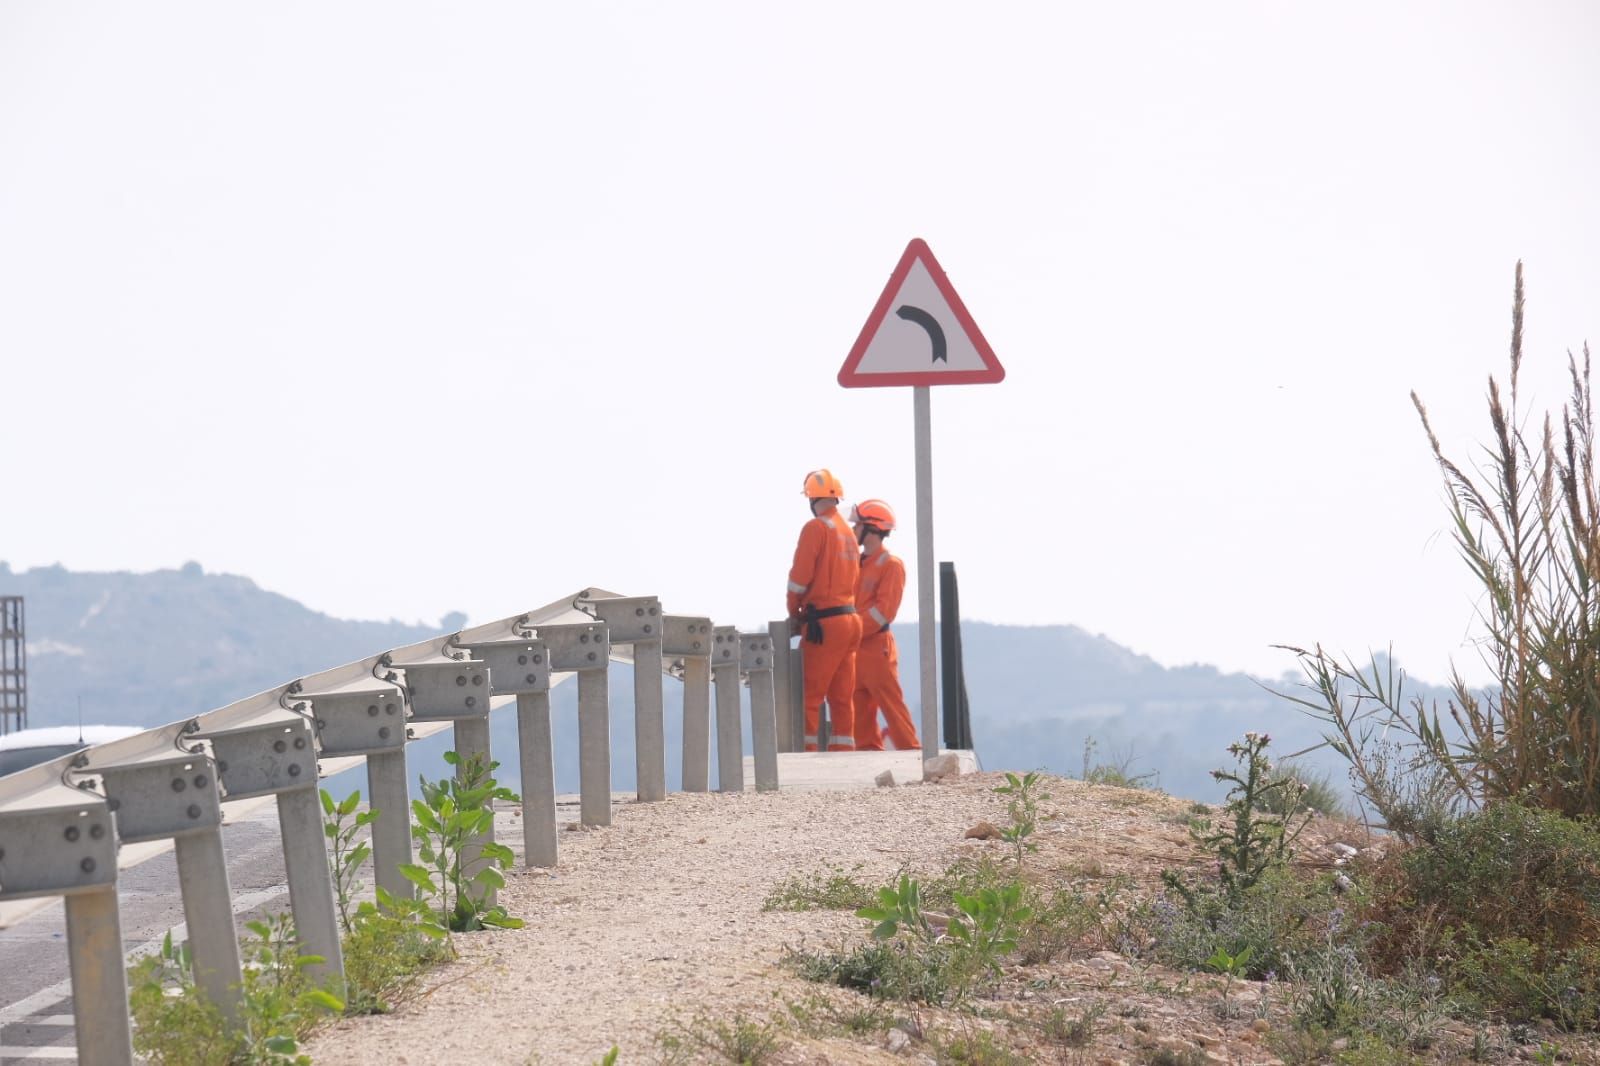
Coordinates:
(56,840)
(789,739)
(730,742)
(162,784)
(368,718)
(521,667)
(586,649)
(637,621)
(456,690)
(755,659)
(686,643)
(269,750)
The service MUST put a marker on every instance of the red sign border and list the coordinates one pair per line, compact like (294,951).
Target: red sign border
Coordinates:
(992,372)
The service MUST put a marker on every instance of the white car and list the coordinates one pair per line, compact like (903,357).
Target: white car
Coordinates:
(29,747)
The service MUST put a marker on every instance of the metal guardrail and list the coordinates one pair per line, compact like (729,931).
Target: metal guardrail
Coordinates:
(63,823)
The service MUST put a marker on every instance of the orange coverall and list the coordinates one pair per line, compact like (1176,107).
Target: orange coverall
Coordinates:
(883,583)
(823,577)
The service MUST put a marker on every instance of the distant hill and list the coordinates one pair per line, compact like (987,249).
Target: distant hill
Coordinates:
(145,649)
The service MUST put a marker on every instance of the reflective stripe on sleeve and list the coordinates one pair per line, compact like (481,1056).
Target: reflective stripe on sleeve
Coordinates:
(877,616)
(796,588)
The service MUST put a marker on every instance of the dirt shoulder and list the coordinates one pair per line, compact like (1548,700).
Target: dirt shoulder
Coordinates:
(658,918)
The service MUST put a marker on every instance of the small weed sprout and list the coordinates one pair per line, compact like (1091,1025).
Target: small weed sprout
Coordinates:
(348,853)
(1022,804)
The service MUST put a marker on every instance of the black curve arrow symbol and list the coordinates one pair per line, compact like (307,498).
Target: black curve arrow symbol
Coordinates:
(929,323)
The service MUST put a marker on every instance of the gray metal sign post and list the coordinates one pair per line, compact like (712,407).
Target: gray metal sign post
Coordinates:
(927,643)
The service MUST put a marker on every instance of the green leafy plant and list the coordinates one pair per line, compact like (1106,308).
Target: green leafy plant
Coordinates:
(348,853)
(898,907)
(1232,967)
(460,871)
(989,922)
(1023,798)
(280,1002)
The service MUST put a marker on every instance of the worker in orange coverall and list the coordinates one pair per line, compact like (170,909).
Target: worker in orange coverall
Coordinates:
(883,582)
(822,608)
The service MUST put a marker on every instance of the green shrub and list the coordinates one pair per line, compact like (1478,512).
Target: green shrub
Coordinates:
(1118,773)
(1279,917)
(390,945)
(1256,907)
(885,969)
(344,864)
(1075,1029)
(741,1040)
(975,1048)
(174,1024)
(835,891)
(1508,901)
(1064,919)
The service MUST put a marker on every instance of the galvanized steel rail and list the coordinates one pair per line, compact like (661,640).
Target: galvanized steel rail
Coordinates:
(63,823)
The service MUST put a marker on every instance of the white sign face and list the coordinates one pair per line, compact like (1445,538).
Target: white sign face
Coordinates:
(920,333)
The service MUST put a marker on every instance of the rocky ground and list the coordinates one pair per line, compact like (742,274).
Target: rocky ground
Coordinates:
(654,928)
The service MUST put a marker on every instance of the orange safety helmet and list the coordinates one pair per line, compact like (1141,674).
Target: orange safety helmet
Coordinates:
(821,485)
(874,513)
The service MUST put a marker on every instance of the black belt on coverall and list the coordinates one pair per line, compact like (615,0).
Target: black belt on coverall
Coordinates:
(813,619)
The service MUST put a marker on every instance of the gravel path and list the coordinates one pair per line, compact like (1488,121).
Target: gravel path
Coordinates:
(657,918)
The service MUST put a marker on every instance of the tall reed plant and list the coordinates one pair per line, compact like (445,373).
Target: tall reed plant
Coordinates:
(1526,520)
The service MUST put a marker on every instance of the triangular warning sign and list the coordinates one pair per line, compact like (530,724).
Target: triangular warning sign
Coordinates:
(919,333)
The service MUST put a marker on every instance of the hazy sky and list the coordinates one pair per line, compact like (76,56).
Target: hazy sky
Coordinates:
(400,309)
